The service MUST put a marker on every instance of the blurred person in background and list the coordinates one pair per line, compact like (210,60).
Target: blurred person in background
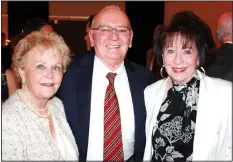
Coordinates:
(86,37)
(9,83)
(151,61)
(3,39)
(6,52)
(36,24)
(223,65)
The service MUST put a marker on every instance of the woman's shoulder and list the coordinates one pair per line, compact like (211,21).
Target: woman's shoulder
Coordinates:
(12,103)
(57,104)
(11,110)
(218,83)
(56,101)
(155,86)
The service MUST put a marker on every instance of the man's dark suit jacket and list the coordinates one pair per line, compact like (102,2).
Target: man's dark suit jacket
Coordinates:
(75,92)
(223,65)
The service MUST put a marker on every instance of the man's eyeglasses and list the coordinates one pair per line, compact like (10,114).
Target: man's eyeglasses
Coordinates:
(107,30)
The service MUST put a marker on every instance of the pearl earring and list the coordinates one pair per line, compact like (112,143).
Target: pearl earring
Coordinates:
(23,81)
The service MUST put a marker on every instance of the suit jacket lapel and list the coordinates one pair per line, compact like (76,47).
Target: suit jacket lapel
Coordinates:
(83,98)
(206,123)
(137,89)
(134,89)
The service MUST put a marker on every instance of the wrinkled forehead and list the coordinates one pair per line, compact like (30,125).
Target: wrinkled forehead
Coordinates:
(111,16)
(179,40)
(42,53)
(41,50)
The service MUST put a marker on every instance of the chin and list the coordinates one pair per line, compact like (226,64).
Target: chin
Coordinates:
(179,80)
(48,94)
(114,55)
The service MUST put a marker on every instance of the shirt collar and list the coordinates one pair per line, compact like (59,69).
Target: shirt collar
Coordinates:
(104,70)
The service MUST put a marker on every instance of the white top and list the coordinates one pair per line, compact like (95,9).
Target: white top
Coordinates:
(213,132)
(25,136)
(64,145)
(96,128)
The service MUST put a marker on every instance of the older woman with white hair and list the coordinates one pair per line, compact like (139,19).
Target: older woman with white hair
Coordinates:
(34,125)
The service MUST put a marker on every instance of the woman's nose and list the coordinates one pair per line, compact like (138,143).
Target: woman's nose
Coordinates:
(179,59)
(49,73)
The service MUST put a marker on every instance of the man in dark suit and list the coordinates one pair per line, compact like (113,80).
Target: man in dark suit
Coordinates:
(223,66)
(84,86)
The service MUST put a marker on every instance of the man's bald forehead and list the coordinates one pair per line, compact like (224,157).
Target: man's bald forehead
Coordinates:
(225,16)
(113,7)
(225,21)
(109,9)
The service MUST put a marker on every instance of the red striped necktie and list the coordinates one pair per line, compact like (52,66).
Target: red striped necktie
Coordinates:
(113,147)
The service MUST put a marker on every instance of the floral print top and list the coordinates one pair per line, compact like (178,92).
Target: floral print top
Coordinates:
(173,133)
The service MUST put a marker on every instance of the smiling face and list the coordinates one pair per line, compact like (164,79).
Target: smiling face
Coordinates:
(111,48)
(180,58)
(42,73)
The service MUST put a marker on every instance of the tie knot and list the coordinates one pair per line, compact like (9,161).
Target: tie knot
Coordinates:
(111,77)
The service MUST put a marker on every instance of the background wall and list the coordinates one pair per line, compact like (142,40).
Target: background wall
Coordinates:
(19,12)
(80,9)
(63,10)
(4,18)
(144,17)
(141,15)
(208,11)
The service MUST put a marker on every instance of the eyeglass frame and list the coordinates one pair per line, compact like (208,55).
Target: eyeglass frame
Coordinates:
(113,28)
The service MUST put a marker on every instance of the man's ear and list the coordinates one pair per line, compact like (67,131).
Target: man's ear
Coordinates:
(198,62)
(90,34)
(131,39)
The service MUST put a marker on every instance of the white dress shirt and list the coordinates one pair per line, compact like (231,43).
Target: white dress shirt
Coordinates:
(96,128)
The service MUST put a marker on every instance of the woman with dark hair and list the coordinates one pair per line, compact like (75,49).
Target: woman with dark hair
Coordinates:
(188,113)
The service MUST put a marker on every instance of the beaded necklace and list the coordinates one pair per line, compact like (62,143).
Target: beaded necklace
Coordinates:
(33,108)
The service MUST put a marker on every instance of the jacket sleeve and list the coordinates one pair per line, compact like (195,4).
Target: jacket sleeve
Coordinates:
(225,138)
